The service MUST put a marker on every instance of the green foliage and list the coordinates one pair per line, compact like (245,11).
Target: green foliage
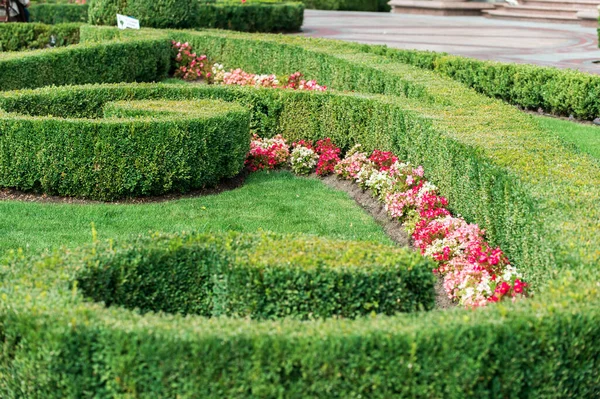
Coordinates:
(59,344)
(251,17)
(26,36)
(261,277)
(104,12)
(536,196)
(142,60)
(48,13)
(171,146)
(383,6)
(584,137)
(558,91)
(174,14)
(343,5)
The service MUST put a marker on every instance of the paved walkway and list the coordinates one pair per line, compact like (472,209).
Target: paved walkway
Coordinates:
(560,45)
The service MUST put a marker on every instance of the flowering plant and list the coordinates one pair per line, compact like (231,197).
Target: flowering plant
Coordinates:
(383,159)
(295,81)
(267,153)
(303,159)
(189,65)
(349,167)
(329,156)
(474,273)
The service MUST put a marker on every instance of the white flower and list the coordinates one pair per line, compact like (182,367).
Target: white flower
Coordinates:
(426,188)
(303,160)
(379,182)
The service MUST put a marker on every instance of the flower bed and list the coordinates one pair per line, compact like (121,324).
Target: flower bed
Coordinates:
(191,66)
(474,273)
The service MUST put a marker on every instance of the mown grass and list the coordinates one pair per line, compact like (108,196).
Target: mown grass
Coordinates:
(586,138)
(276,201)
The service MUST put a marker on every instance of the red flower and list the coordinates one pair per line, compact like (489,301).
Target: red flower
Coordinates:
(503,288)
(519,286)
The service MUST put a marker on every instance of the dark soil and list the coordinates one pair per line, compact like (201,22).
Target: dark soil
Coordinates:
(224,185)
(392,228)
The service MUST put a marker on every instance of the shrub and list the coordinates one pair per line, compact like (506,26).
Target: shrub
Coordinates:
(557,91)
(57,343)
(343,5)
(259,277)
(253,17)
(59,13)
(21,36)
(139,148)
(142,60)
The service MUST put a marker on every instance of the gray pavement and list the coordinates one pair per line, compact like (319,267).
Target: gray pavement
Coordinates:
(559,45)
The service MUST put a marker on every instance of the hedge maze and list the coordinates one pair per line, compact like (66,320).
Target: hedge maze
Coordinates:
(145,318)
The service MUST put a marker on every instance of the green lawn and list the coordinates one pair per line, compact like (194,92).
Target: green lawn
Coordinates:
(276,201)
(585,137)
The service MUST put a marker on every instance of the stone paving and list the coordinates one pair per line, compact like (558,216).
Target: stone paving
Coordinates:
(559,45)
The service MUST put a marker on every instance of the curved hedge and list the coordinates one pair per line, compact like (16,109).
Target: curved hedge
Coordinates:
(252,17)
(256,276)
(138,148)
(57,344)
(143,60)
(537,197)
(24,36)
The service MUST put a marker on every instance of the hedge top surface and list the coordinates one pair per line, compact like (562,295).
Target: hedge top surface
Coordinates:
(166,108)
(50,282)
(125,111)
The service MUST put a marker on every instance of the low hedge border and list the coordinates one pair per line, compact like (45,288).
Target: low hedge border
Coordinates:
(27,36)
(261,277)
(57,344)
(559,91)
(251,17)
(140,60)
(272,112)
(139,148)
(58,13)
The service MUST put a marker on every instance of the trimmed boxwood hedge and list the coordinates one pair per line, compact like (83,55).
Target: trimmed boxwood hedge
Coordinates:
(57,344)
(141,60)
(252,17)
(26,36)
(261,277)
(344,5)
(58,13)
(139,148)
(558,91)
(537,197)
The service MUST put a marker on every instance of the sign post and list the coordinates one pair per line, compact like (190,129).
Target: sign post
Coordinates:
(125,22)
